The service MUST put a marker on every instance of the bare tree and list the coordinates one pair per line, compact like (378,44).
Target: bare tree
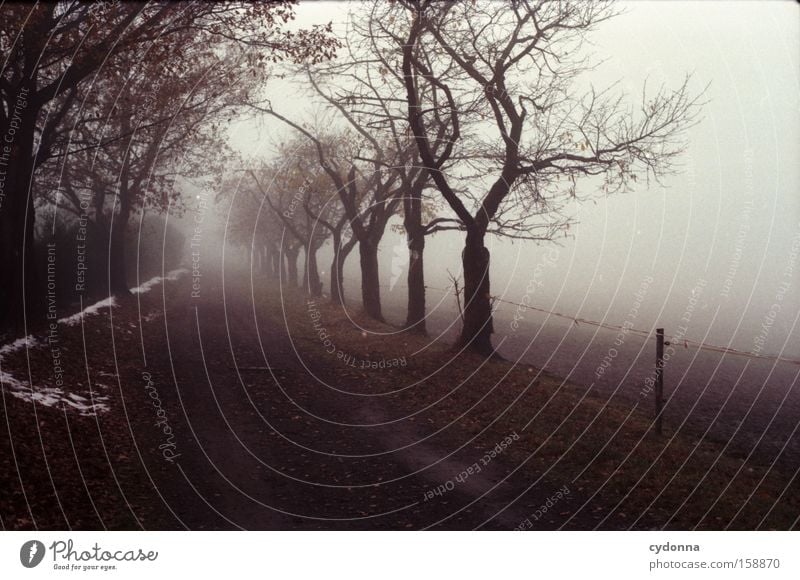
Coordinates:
(327,211)
(253,225)
(534,129)
(375,94)
(361,89)
(297,198)
(369,188)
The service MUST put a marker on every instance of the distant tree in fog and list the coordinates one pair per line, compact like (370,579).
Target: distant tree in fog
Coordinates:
(365,178)
(298,197)
(323,207)
(368,82)
(252,225)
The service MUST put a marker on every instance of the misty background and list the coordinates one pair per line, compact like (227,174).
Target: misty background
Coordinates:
(728,218)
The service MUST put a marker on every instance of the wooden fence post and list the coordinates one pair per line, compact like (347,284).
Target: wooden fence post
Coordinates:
(659,378)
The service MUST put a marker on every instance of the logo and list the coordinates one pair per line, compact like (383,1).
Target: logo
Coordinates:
(31,553)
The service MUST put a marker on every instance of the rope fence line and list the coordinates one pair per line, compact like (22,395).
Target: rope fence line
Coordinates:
(643,333)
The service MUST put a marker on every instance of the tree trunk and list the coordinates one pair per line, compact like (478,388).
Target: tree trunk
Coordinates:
(283,276)
(117,273)
(412,217)
(291,265)
(276,262)
(311,281)
(110,240)
(20,295)
(340,253)
(415,320)
(336,283)
(478,327)
(370,278)
(269,265)
(117,270)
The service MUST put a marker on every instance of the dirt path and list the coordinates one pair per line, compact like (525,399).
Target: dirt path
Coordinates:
(267,439)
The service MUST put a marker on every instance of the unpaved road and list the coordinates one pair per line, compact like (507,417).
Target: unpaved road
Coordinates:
(265,441)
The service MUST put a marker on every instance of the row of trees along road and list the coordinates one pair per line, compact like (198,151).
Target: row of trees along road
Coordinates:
(114,100)
(467,116)
(479,108)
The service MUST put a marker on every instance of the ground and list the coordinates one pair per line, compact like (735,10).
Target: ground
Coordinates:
(249,407)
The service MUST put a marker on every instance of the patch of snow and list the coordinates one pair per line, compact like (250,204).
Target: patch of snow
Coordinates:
(51,396)
(8,380)
(109,302)
(147,286)
(30,340)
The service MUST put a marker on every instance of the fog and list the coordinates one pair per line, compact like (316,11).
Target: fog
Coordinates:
(177,201)
(729,219)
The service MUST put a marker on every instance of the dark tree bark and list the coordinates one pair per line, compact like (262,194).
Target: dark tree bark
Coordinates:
(415,232)
(478,327)
(283,275)
(20,296)
(336,282)
(291,253)
(117,271)
(269,260)
(624,142)
(367,227)
(117,265)
(277,264)
(311,280)
(370,278)
(340,253)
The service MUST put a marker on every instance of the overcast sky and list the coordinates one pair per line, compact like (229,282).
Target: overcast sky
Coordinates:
(727,220)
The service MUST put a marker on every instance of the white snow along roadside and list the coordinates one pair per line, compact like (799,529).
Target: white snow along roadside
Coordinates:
(50,396)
